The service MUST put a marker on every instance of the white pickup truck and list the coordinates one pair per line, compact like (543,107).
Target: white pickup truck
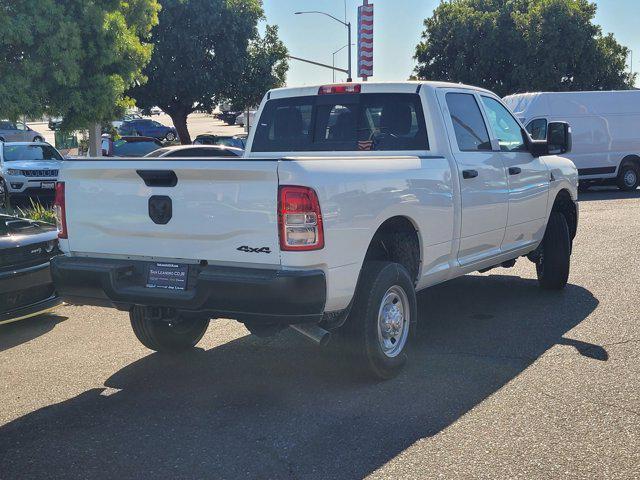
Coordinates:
(351,198)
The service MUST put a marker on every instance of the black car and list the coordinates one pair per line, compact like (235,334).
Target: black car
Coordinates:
(236,141)
(26,247)
(129,146)
(228,117)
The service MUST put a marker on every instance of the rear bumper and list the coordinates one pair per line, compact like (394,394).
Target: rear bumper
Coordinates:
(245,294)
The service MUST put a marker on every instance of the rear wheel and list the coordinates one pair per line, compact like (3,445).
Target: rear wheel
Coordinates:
(38,139)
(628,177)
(167,336)
(378,327)
(553,262)
(170,137)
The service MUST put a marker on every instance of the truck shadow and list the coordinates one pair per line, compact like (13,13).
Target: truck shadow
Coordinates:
(22,331)
(276,409)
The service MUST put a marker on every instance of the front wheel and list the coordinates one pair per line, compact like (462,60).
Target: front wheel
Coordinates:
(552,265)
(170,137)
(628,178)
(167,336)
(377,330)
(38,139)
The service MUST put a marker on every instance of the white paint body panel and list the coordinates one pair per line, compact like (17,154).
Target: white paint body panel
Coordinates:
(222,204)
(605,125)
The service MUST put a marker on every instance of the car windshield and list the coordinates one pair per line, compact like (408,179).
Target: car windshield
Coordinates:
(14,153)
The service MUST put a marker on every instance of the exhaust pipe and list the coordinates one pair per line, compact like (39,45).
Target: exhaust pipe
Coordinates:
(313,332)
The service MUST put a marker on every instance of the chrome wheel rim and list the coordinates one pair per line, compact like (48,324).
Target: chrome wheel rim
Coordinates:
(630,177)
(393,321)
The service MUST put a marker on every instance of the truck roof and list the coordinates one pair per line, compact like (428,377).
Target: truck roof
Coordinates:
(371,87)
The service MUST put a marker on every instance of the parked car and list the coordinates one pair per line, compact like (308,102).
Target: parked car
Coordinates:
(128,117)
(26,247)
(605,125)
(241,119)
(155,111)
(330,223)
(228,117)
(196,151)
(55,123)
(18,132)
(28,170)
(148,128)
(236,141)
(128,146)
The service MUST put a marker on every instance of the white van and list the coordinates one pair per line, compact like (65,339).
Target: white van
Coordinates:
(605,127)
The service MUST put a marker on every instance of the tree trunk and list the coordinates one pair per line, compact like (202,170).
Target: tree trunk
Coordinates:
(95,134)
(179,120)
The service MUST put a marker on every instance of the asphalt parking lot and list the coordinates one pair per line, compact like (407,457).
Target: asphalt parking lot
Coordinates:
(505,381)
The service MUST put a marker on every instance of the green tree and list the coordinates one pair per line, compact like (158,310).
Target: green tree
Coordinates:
(512,46)
(265,68)
(200,52)
(73,58)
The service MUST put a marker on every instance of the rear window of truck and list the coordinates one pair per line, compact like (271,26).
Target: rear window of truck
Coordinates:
(342,122)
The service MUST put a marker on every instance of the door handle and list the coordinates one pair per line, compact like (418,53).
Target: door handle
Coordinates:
(467,174)
(515,170)
(158,178)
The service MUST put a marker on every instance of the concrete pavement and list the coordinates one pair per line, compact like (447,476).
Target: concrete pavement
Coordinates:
(505,380)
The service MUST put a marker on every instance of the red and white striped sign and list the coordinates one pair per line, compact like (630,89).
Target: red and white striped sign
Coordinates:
(365,40)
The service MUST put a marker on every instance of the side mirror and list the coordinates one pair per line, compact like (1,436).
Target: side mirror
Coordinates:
(559,139)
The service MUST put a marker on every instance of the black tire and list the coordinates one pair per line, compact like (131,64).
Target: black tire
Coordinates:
(162,336)
(628,177)
(554,261)
(38,139)
(362,333)
(170,137)
(5,203)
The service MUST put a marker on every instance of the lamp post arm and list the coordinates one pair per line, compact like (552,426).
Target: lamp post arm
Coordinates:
(326,14)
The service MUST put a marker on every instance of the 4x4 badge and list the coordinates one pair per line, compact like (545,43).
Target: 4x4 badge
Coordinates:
(246,249)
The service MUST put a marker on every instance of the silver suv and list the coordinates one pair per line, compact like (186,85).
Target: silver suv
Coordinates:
(28,170)
(18,132)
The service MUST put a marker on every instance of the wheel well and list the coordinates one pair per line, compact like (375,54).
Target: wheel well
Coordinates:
(396,240)
(565,205)
(633,159)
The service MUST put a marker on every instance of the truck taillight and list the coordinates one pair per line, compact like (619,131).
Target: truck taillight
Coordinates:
(300,219)
(340,88)
(60,210)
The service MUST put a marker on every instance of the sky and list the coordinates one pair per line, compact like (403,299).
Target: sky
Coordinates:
(398,26)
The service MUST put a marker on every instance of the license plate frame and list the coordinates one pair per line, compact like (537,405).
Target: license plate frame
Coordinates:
(167,276)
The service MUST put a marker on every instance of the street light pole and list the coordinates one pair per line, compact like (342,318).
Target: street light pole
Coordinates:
(346,24)
(334,59)
(349,78)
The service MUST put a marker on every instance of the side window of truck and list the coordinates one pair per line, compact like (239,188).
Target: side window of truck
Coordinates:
(468,124)
(505,127)
(538,129)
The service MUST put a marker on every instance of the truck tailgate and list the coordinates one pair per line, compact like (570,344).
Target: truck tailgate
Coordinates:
(218,210)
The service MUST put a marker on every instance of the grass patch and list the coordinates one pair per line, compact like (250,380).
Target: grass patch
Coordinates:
(36,211)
